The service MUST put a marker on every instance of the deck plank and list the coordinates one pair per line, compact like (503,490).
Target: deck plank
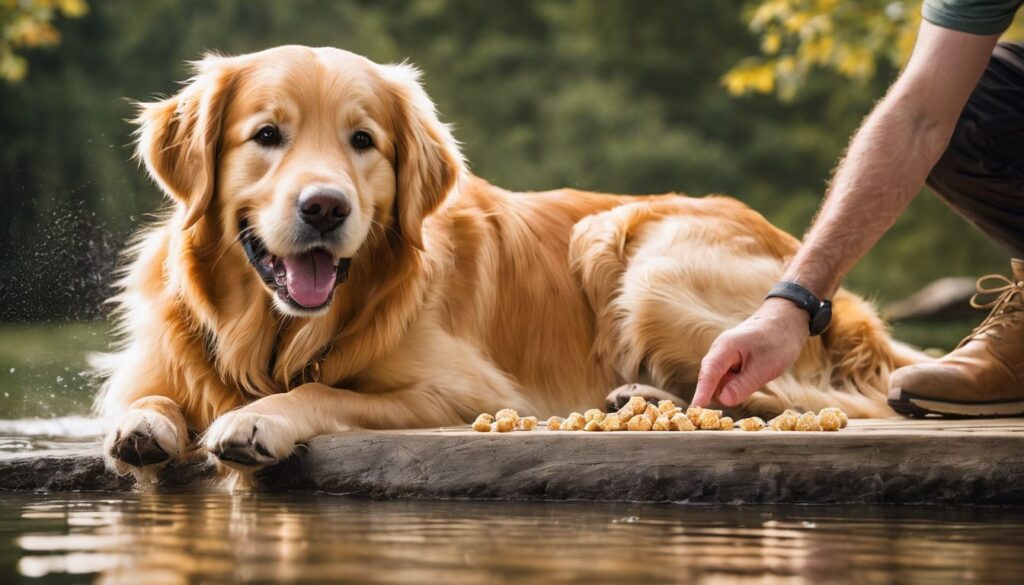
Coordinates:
(872,461)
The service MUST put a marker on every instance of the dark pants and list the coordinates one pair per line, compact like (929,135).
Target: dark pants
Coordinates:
(981,174)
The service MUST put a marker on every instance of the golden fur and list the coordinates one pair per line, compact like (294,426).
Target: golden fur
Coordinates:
(462,297)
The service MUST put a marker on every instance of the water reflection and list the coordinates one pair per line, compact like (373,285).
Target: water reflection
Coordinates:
(181,538)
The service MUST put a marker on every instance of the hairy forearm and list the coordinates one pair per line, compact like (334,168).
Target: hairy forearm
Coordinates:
(891,155)
(886,165)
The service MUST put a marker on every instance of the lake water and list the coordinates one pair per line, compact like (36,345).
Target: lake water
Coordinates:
(152,539)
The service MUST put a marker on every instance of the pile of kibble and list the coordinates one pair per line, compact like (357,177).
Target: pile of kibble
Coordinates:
(639,415)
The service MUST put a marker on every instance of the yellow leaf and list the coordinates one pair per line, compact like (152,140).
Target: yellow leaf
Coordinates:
(856,63)
(29,33)
(12,67)
(769,11)
(743,79)
(796,21)
(73,8)
(817,51)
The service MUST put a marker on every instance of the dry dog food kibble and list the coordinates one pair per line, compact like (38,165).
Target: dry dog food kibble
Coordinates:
(753,423)
(693,413)
(639,415)
(680,422)
(709,420)
(575,422)
(612,422)
(640,422)
(652,412)
(661,424)
(635,406)
(784,422)
(808,421)
(505,425)
(829,421)
(839,413)
(507,413)
(666,406)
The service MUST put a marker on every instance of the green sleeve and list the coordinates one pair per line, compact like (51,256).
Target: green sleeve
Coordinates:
(979,17)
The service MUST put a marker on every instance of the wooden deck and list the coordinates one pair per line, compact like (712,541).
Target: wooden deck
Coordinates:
(872,461)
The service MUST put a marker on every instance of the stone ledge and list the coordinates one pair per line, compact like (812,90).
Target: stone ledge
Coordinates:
(945,462)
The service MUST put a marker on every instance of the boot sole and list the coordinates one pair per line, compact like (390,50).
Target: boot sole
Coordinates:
(912,406)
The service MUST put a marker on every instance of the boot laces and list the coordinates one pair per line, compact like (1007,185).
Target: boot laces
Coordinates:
(1005,306)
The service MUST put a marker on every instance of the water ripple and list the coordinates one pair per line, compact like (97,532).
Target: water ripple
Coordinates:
(191,537)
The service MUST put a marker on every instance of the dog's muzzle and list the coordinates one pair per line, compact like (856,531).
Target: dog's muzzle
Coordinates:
(305,281)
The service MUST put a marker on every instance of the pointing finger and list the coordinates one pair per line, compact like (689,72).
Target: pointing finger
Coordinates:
(713,369)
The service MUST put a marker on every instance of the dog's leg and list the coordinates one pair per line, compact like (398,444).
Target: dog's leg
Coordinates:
(432,380)
(267,431)
(150,433)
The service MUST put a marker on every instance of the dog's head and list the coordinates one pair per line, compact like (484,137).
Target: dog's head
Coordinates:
(305,157)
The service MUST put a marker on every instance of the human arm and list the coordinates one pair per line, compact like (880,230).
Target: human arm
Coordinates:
(886,165)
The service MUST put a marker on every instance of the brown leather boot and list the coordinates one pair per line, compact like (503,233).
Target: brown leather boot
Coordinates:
(984,375)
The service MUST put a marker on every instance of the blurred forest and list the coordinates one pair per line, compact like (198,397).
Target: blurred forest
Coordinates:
(610,95)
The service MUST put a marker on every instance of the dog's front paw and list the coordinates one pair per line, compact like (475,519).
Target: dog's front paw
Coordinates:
(618,398)
(248,441)
(143,438)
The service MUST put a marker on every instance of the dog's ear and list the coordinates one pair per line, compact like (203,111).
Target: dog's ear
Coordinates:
(178,138)
(427,157)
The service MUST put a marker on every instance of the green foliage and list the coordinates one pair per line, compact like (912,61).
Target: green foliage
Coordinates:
(610,95)
(799,38)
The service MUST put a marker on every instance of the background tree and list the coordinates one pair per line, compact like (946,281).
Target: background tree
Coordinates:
(28,24)
(612,95)
(799,38)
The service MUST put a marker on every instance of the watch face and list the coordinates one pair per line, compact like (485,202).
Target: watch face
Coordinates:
(821,320)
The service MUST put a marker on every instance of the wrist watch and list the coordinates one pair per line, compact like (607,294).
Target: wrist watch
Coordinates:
(820,311)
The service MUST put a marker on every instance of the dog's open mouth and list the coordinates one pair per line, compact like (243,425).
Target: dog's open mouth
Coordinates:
(305,281)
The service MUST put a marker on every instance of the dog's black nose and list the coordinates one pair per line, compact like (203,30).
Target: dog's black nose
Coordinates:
(323,208)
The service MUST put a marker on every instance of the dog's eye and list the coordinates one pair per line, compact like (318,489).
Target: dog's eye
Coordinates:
(361,140)
(268,136)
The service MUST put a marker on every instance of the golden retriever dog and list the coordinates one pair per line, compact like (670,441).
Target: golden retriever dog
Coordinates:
(330,264)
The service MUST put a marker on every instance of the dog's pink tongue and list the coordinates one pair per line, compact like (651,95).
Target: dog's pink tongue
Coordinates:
(310,277)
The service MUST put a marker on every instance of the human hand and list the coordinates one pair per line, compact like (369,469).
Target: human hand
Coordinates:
(743,359)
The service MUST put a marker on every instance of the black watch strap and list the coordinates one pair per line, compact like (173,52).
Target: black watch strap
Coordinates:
(819,311)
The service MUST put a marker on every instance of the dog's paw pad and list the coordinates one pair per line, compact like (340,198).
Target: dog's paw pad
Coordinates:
(239,441)
(242,455)
(252,453)
(138,448)
(141,439)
